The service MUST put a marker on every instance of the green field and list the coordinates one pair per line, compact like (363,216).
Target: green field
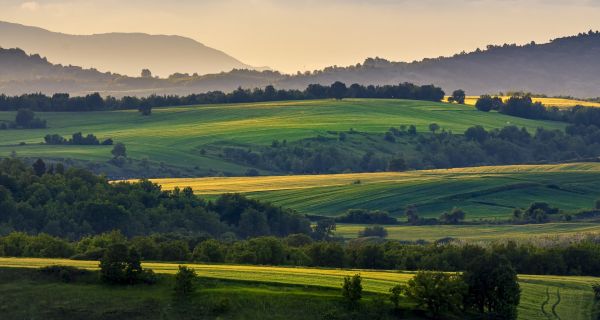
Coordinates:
(176,135)
(576,297)
(483,192)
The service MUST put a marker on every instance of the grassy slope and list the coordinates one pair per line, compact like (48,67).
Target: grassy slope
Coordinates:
(484,192)
(576,294)
(175,135)
(476,232)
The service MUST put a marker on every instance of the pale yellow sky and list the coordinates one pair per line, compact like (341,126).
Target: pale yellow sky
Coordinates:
(308,34)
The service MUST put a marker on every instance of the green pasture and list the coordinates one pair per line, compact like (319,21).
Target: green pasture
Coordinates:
(176,135)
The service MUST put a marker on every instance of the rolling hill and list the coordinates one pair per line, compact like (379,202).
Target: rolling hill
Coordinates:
(483,192)
(125,53)
(189,141)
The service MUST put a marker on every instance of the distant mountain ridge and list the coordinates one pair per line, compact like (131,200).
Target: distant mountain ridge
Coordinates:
(125,53)
(564,66)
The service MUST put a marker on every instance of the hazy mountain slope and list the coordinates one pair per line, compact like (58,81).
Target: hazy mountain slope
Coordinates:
(125,53)
(569,66)
(565,66)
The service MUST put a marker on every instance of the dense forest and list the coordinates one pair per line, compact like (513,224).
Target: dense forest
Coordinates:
(72,203)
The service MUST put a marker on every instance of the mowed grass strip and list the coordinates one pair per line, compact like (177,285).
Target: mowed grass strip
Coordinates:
(576,294)
(484,192)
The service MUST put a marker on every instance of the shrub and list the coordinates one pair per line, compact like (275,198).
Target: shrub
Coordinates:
(64,273)
(184,281)
(374,231)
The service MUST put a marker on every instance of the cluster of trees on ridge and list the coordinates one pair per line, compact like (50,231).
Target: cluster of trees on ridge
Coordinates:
(524,107)
(77,139)
(25,119)
(404,148)
(338,90)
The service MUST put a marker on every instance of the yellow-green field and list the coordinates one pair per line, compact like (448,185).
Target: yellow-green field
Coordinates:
(484,192)
(576,298)
(477,232)
(550,102)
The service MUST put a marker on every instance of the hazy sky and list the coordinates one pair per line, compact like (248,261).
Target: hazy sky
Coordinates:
(292,35)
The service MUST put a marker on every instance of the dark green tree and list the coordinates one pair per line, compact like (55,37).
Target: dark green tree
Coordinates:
(352,290)
(338,90)
(119,265)
(439,293)
(119,150)
(184,282)
(459,96)
(493,287)
(39,167)
(24,118)
(396,294)
(434,127)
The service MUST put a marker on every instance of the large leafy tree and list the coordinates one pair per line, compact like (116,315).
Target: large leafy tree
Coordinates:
(493,287)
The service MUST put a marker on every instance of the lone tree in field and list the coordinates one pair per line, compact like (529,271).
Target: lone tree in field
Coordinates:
(145,109)
(493,287)
(338,90)
(455,216)
(146,73)
(459,96)
(24,117)
(119,150)
(352,290)
(412,214)
(119,265)
(184,281)
(434,127)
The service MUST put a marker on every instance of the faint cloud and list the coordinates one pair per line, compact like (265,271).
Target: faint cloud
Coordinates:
(30,6)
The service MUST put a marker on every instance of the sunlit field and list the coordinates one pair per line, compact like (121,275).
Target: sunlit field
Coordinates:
(177,135)
(483,192)
(576,297)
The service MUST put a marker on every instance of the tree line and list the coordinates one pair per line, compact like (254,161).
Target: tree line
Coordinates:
(524,107)
(95,102)
(576,256)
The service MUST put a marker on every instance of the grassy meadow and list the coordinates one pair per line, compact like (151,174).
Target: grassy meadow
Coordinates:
(575,302)
(483,192)
(175,136)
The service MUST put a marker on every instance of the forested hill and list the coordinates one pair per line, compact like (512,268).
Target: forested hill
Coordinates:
(565,66)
